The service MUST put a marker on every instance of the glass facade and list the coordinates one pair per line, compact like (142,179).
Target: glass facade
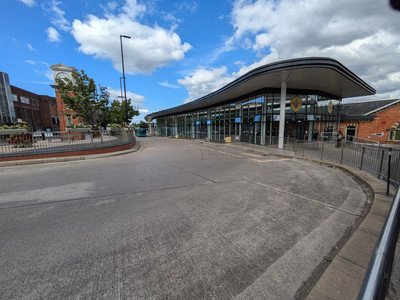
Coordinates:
(256,119)
(7,113)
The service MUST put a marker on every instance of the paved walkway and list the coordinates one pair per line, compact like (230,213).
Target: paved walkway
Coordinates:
(345,267)
(343,278)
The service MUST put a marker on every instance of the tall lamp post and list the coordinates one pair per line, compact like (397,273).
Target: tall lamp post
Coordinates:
(123,74)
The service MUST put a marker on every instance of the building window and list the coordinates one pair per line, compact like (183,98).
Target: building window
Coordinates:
(27,114)
(15,97)
(35,102)
(69,121)
(36,115)
(18,112)
(395,134)
(24,99)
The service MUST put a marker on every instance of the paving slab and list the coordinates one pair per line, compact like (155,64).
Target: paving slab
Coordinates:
(372,224)
(342,280)
(359,248)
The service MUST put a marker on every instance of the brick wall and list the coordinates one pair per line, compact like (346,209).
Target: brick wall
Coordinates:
(381,124)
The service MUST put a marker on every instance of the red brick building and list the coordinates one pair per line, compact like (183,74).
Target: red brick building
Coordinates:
(38,111)
(372,120)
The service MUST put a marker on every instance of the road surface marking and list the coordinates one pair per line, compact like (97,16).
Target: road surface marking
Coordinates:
(269,160)
(251,154)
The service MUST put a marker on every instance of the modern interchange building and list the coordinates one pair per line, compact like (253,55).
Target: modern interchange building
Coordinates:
(299,98)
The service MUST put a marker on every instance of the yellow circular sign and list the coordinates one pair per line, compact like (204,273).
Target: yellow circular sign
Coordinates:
(330,107)
(296,104)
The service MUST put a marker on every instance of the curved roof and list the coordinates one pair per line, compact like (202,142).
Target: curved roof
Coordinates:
(319,74)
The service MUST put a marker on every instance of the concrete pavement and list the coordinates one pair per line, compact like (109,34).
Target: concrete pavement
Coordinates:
(344,267)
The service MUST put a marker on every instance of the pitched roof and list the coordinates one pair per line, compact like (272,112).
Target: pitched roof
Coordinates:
(366,109)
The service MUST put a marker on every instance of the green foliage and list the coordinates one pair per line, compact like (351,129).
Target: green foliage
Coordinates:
(78,126)
(117,112)
(83,96)
(91,102)
(143,124)
(21,139)
(17,125)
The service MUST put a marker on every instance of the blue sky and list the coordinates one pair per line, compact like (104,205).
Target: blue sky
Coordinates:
(182,50)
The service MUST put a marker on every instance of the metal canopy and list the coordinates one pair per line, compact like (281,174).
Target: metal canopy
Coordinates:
(318,74)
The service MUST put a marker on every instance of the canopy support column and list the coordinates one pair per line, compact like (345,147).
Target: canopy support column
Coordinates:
(282,115)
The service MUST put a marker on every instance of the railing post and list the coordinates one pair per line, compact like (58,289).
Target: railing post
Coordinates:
(91,139)
(362,156)
(381,163)
(322,150)
(341,155)
(69,140)
(33,143)
(388,170)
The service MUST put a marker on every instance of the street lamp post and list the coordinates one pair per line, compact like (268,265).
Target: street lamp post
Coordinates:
(120,85)
(123,74)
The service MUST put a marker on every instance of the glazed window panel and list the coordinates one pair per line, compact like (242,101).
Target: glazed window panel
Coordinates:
(24,100)
(397,134)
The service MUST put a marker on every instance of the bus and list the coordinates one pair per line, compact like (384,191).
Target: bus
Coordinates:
(141,132)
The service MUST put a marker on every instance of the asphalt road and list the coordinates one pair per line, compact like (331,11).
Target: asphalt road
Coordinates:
(176,220)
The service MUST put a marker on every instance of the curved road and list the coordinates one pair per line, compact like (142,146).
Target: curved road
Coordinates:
(178,219)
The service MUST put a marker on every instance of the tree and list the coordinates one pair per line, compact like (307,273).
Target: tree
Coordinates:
(143,124)
(84,97)
(117,112)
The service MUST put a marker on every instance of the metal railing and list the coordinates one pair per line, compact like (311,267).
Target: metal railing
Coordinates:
(33,143)
(378,160)
(377,278)
(384,163)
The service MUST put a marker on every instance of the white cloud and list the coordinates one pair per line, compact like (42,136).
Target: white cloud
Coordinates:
(148,48)
(168,85)
(30,48)
(46,73)
(49,75)
(30,62)
(56,15)
(362,34)
(29,3)
(136,100)
(204,81)
(143,111)
(53,35)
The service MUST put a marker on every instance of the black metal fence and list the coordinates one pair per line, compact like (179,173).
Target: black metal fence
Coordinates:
(384,163)
(32,143)
(381,161)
